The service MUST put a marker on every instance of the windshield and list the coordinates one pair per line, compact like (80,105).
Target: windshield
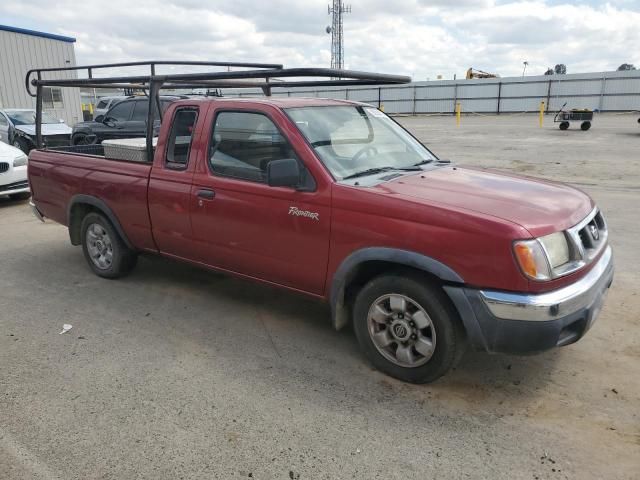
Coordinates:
(28,117)
(355,140)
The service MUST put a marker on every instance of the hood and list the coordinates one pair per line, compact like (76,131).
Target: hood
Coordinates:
(539,206)
(88,124)
(8,153)
(47,129)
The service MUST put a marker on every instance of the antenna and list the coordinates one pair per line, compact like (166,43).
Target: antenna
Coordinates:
(337,39)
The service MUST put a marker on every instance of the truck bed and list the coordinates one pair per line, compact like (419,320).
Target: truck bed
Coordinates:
(57,176)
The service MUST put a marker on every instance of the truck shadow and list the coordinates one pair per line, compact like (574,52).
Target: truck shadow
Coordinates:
(5,201)
(306,345)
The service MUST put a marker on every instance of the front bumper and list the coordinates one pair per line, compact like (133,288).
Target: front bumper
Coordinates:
(14,180)
(526,323)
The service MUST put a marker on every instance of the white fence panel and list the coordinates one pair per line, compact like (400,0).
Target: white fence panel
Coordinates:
(524,89)
(478,91)
(434,106)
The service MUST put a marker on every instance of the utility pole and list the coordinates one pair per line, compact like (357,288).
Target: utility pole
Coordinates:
(336,31)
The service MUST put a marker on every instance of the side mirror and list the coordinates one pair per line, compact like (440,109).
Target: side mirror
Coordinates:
(99,119)
(283,173)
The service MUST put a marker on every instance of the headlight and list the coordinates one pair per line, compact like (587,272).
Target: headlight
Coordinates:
(539,257)
(20,161)
(557,248)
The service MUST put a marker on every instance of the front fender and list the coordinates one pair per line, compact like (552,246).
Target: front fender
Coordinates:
(349,267)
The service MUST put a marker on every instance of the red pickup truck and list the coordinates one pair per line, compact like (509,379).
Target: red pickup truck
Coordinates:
(335,200)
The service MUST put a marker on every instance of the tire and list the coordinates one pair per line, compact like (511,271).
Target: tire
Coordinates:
(22,145)
(437,341)
(564,125)
(104,250)
(81,139)
(585,126)
(20,196)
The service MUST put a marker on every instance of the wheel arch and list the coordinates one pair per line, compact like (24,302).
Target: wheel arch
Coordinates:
(363,264)
(79,206)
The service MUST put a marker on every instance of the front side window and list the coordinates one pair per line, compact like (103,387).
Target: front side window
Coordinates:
(102,104)
(180,138)
(121,112)
(3,120)
(352,140)
(244,143)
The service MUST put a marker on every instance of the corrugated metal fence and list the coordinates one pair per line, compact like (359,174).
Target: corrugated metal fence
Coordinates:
(606,91)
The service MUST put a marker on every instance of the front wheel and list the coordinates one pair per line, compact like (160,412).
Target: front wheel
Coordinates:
(104,250)
(22,145)
(564,125)
(83,139)
(408,328)
(585,126)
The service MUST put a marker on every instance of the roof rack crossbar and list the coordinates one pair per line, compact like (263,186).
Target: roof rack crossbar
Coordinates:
(151,64)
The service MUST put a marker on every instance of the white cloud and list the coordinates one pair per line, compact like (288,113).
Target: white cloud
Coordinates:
(418,37)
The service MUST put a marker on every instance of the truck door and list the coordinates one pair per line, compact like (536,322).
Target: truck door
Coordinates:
(169,190)
(239,222)
(115,122)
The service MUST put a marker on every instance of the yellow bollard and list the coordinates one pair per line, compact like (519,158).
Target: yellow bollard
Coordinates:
(541,113)
(458,111)
(91,108)
(381,107)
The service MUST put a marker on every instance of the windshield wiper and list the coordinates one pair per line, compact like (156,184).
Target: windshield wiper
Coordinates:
(368,171)
(374,170)
(423,162)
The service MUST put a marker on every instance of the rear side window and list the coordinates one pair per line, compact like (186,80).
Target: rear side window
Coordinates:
(179,144)
(244,143)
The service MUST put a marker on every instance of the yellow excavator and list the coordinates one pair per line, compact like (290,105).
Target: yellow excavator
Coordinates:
(473,73)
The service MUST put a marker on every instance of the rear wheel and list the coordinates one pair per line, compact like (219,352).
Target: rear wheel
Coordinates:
(585,126)
(104,250)
(564,125)
(408,328)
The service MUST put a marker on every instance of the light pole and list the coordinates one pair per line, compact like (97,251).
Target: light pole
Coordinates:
(525,63)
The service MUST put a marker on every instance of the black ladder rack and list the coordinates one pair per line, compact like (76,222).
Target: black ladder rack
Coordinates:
(265,76)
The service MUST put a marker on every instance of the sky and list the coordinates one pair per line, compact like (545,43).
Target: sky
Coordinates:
(421,38)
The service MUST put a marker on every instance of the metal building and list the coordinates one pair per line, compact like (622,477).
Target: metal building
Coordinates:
(22,50)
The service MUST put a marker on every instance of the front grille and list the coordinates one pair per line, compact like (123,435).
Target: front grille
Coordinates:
(590,235)
(4,167)
(14,186)
(586,240)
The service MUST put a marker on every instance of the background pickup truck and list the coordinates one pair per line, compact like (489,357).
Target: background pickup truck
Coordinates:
(335,200)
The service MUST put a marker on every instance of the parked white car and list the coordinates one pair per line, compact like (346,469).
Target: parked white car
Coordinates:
(13,172)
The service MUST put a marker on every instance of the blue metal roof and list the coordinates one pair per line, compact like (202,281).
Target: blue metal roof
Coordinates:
(35,33)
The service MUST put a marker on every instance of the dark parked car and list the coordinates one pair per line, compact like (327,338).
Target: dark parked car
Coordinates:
(125,119)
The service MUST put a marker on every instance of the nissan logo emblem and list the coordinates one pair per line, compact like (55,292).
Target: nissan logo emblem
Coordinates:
(399,330)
